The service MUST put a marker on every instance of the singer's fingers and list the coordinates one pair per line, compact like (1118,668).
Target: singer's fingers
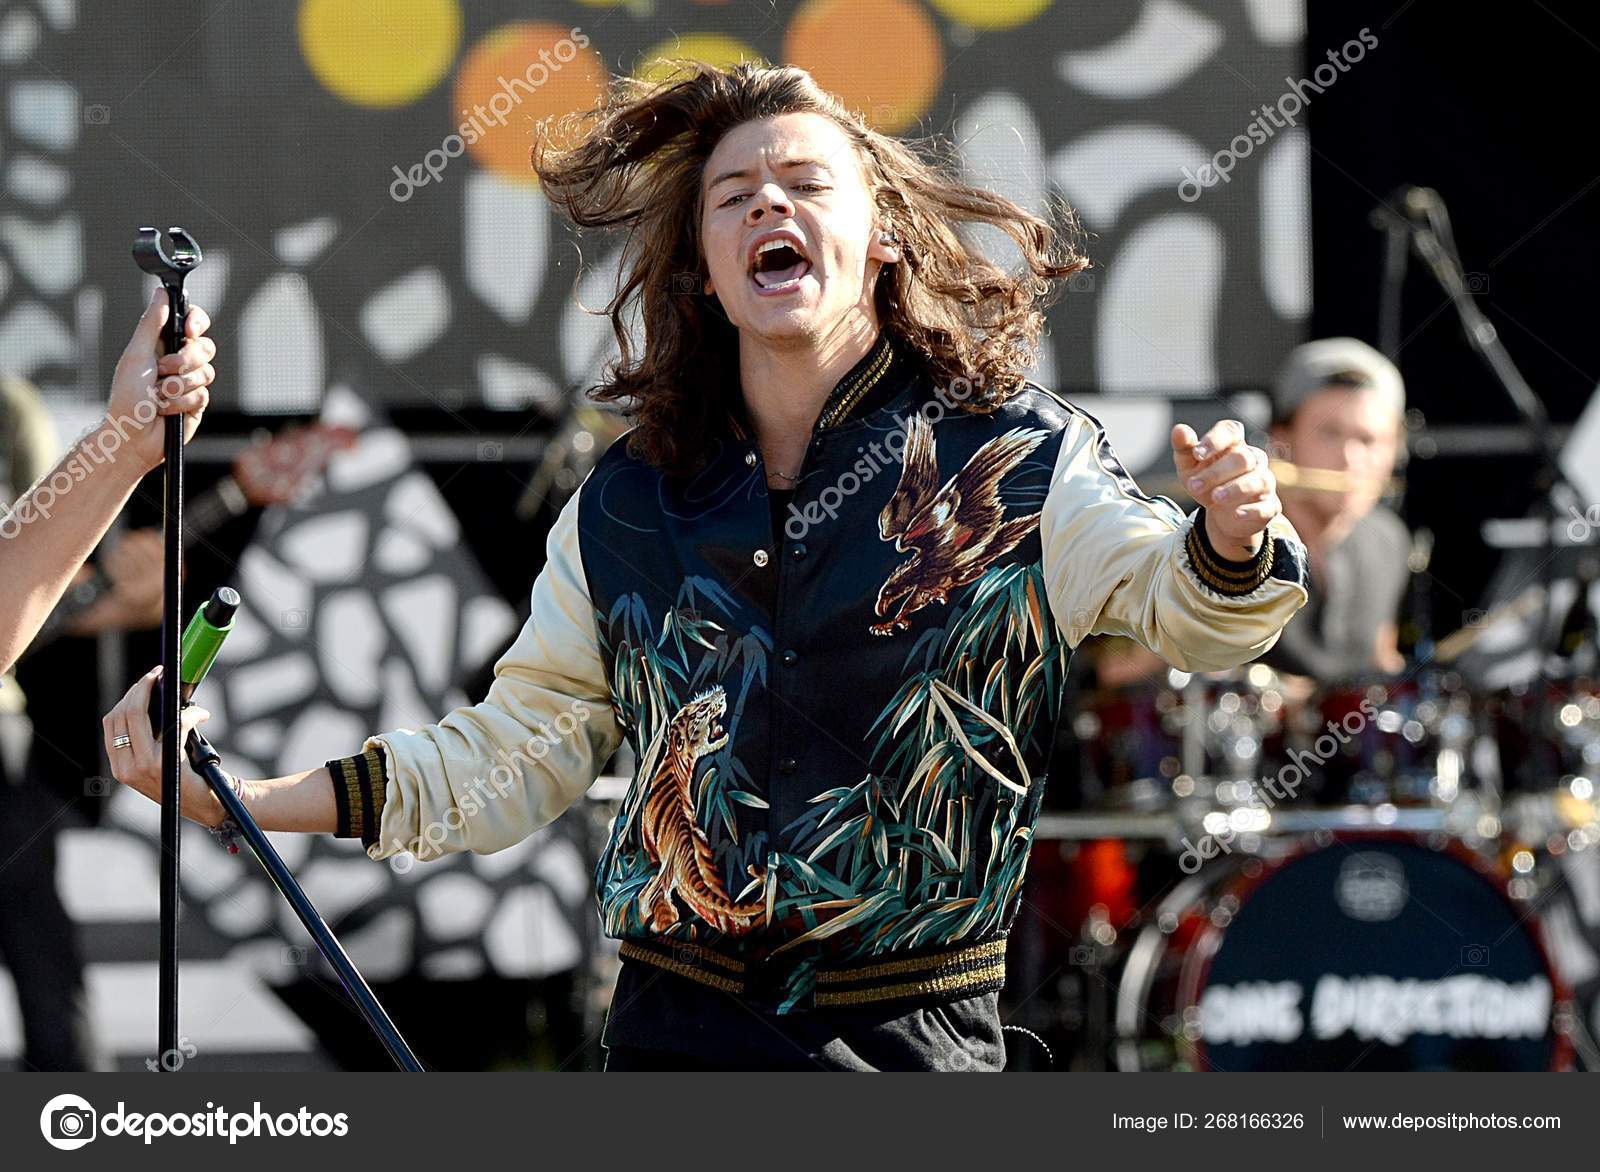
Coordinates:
(1229,466)
(1192,457)
(190,718)
(130,763)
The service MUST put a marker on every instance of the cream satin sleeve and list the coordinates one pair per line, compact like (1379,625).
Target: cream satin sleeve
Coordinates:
(1119,562)
(487,776)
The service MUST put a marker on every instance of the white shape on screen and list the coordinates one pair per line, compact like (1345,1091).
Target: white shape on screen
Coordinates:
(506,229)
(19,36)
(422,612)
(1277,22)
(1157,324)
(320,733)
(280,349)
(408,315)
(300,244)
(329,548)
(31,336)
(1286,224)
(48,255)
(415,504)
(46,114)
(1102,172)
(1164,46)
(507,385)
(453,906)
(38,181)
(259,687)
(529,937)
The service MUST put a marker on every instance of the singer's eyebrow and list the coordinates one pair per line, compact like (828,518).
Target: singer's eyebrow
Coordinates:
(782,164)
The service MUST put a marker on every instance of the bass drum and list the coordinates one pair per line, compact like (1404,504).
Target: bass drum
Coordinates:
(1352,951)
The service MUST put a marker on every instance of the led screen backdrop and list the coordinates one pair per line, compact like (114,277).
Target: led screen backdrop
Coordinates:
(357,256)
(279,132)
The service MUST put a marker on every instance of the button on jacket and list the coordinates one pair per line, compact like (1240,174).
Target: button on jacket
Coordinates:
(841,724)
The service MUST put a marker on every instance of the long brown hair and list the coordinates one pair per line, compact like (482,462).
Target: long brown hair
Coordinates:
(636,164)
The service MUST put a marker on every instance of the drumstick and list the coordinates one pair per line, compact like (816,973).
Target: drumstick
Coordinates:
(1289,475)
(1292,475)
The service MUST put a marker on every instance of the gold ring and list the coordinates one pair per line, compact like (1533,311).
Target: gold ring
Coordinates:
(122,742)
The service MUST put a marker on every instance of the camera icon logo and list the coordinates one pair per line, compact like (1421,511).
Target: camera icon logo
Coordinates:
(67,1122)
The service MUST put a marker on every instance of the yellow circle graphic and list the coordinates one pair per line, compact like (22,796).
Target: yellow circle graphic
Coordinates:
(991,14)
(881,57)
(517,76)
(656,62)
(379,55)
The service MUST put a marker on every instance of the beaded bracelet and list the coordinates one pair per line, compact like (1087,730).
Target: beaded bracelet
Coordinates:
(227,831)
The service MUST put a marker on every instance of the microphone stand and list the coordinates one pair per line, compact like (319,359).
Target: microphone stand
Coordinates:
(1427,225)
(208,764)
(171,267)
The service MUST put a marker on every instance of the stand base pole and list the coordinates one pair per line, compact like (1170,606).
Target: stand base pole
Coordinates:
(207,763)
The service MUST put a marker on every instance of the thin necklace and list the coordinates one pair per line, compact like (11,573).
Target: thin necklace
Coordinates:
(785,476)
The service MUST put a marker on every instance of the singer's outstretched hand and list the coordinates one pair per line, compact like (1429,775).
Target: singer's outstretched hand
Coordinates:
(137,764)
(298,801)
(1233,481)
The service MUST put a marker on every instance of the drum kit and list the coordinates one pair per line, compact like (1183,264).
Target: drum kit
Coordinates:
(1273,876)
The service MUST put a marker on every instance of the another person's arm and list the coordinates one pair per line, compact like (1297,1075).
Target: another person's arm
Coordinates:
(1205,592)
(483,778)
(134,567)
(46,536)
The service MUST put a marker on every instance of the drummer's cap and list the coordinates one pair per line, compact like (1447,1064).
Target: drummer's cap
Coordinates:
(1334,362)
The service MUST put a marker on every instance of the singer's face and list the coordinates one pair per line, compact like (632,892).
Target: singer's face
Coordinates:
(787,227)
(1352,431)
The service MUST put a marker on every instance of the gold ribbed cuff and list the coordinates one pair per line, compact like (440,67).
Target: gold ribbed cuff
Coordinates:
(1229,578)
(359,785)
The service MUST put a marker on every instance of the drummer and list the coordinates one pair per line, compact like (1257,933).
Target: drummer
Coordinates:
(1338,412)
(1339,406)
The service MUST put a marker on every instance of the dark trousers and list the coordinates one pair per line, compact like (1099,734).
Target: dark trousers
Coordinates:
(38,943)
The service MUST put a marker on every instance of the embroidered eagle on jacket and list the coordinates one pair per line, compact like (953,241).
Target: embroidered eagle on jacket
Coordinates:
(953,531)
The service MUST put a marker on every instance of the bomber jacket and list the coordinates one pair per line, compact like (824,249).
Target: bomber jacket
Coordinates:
(841,725)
